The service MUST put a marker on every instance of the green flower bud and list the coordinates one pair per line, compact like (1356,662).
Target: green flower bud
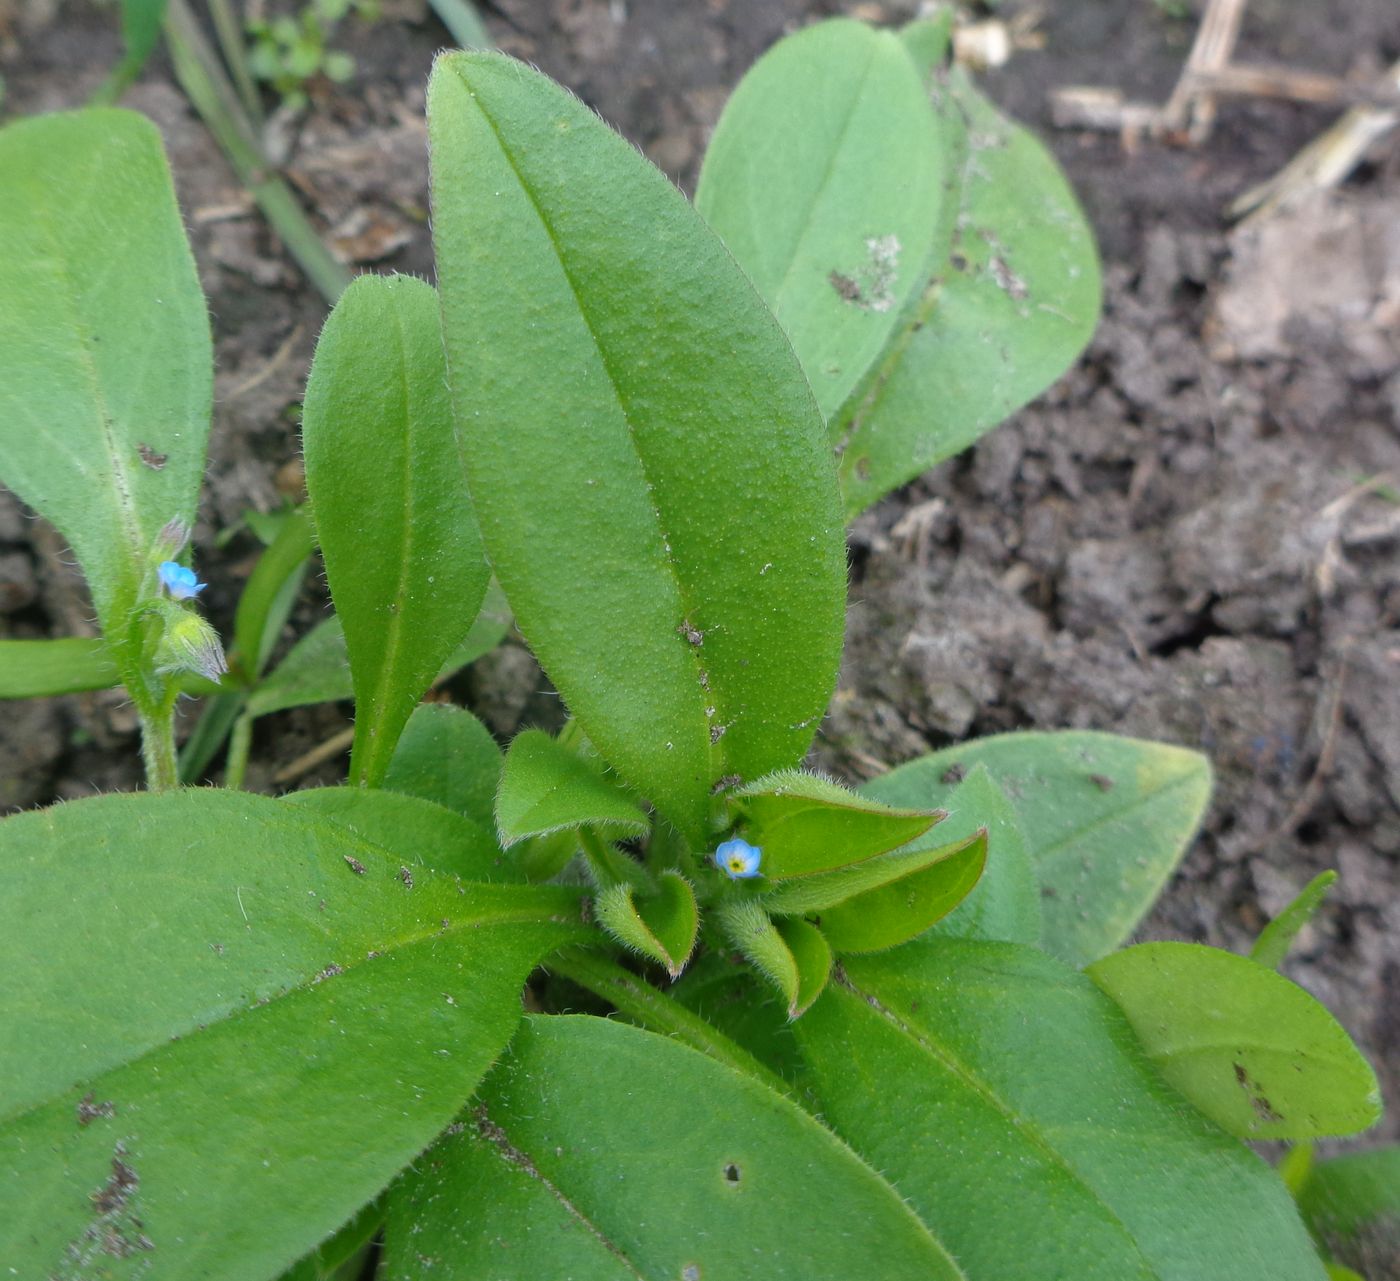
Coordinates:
(189,644)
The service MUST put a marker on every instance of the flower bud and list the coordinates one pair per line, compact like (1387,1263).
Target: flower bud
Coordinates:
(189,644)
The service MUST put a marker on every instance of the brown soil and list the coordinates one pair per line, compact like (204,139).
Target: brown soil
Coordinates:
(1172,543)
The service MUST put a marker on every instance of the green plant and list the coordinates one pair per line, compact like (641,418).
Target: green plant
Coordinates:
(875,1032)
(287,52)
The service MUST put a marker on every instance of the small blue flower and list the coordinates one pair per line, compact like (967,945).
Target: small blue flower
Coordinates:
(179,581)
(737,859)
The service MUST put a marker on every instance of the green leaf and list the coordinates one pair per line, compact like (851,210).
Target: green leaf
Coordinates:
(1105,820)
(267,599)
(827,890)
(317,668)
(1008,1101)
(423,833)
(105,360)
(448,756)
(342,1258)
(402,554)
(661,927)
(1254,1052)
(605,1153)
(825,180)
(657,495)
(547,788)
(1005,902)
(43,668)
(1007,313)
(927,40)
(1277,936)
(790,953)
(903,909)
(219,993)
(141,23)
(1352,1205)
(806,824)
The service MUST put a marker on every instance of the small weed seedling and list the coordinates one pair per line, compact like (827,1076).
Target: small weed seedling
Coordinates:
(887,1032)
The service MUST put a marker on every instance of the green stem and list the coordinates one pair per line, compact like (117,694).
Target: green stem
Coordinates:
(207,87)
(239,744)
(647,1007)
(462,20)
(158,741)
(230,34)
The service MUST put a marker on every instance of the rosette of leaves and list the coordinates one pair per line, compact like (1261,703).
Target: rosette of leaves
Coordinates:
(250,1037)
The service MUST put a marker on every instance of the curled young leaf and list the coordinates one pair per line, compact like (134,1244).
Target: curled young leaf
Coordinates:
(805,824)
(790,953)
(660,926)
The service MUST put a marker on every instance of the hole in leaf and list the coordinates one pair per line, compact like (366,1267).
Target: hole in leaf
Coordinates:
(732,1174)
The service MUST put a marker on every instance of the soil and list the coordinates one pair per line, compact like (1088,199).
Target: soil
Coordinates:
(1192,537)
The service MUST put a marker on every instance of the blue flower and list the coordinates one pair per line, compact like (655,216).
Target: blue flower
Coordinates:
(179,581)
(737,859)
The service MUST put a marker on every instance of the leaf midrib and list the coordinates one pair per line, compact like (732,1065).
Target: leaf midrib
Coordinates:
(372,770)
(1046,852)
(702,676)
(1023,1126)
(251,1008)
(125,505)
(532,1171)
(828,172)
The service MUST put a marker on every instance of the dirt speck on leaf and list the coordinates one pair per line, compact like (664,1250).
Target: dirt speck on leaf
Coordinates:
(89,1110)
(1263,1109)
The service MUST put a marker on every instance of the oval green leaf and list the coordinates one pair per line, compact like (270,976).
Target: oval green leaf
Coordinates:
(1254,1052)
(1105,820)
(604,1153)
(395,524)
(824,178)
(647,464)
(1008,309)
(1008,1100)
(219,992)
(105,357)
